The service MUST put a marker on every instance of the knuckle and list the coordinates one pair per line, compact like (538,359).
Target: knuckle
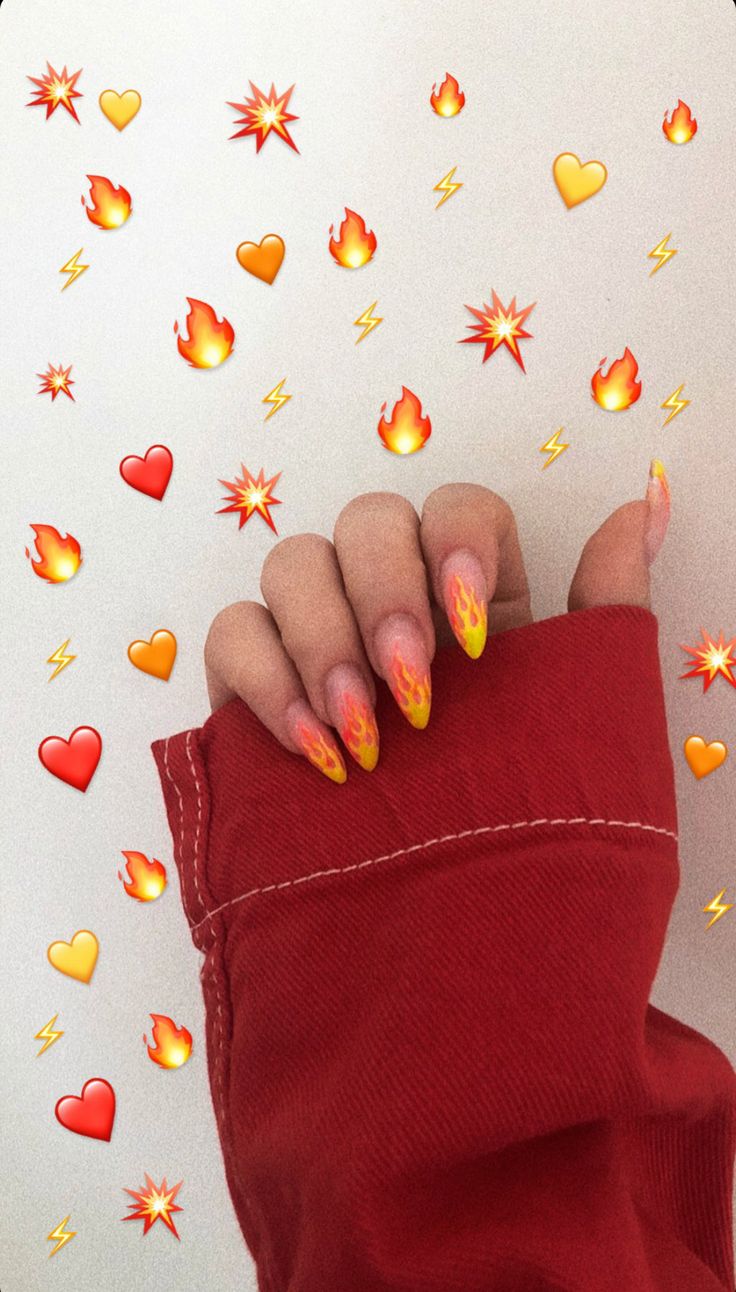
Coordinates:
(447,498)
(234,622)
(289,553)
(371,507)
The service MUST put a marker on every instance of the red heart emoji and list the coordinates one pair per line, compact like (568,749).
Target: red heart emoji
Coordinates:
(92,1113)
(150,474)
(73,760)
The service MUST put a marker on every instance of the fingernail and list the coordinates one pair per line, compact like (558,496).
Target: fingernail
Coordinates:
(658,497)
(404,663)
(351,711)
(315,740)
(466,600)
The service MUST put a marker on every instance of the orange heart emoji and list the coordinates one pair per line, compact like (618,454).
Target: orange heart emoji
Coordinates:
(155,657)
(120,108)
(703,759)
(577,181)
(262,259)
(76,959)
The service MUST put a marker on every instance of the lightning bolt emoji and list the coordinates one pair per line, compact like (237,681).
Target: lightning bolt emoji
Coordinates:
(60,659)
(367,322)
(661,253)
(446,187)
(74,270)
(60,1236)
(718,906)
(48,1036)
(276,398)
(675,404)
(553,447)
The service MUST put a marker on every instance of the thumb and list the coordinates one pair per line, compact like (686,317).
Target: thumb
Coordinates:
(614,566)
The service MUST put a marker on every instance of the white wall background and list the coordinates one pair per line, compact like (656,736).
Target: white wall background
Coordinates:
(540,78)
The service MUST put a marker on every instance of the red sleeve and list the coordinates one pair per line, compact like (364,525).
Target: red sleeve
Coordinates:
(431,1053)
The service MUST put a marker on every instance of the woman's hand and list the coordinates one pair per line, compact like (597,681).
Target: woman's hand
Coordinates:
(381,597)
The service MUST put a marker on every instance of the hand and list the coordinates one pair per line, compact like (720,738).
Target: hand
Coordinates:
(380,599)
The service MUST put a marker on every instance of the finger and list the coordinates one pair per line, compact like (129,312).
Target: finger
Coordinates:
(614,566)
(468,535)
(377,544)
(303,588)
(244,656)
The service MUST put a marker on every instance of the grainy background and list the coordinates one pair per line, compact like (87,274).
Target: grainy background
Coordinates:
(540,78)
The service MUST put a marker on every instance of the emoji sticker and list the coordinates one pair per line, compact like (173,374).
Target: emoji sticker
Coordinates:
(499,326)
(675,404)
(74,760)
(154,1203)
(60,659)
(717,908)
(56,381)
(92,1113)
(449,99)
(151,473)
(262,259)
(251,495)
(209,341)
(681,126)
(47,1035)
(661,253)
(155,657)
(73,269)
(263,114)
(171,1046)
(110,207)
(618,388)
(59,558)
(55,90)
(60,1236)
(120,108)
(713,658)
(367,321)
(702,758)
(276,398)
(554,448)
(355,246)
(146,879)
(576,180)
(446,187)
(75,959)
(408,430)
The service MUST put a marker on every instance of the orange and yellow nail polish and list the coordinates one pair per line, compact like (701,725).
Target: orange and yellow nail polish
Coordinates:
(465,597)
(315,741)
(658,498)
(351,712)
(404,663)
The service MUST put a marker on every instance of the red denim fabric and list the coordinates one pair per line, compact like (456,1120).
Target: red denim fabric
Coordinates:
(431,1053)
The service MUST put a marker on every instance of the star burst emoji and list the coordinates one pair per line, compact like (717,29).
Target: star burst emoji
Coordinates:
(55,381)
(249,495)
(713,658)
(55,90)
(499,326)
(261,115)
(152,1204)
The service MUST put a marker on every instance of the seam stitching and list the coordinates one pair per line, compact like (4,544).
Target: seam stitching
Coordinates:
(429,843)
(180,801)
(202,903)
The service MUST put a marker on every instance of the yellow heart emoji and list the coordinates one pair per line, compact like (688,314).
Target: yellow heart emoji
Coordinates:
(577,181)
(76,959)
(703,759)
(155,657)
(120,108)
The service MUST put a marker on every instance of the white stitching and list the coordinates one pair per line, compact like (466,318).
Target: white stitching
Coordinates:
(180,845)
(445,838)
(202,904)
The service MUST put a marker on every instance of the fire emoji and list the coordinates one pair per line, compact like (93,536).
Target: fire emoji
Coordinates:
(171,1046)
(208,342)
(110,207)
(449,99)
(408,430)
(146,879)
(681,126)
(59,558)
(355,246)
(619,388)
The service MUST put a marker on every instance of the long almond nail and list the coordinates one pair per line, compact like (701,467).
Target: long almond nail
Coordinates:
(404,663)
(315,740)
(466,600)
(351,711)
(658,497)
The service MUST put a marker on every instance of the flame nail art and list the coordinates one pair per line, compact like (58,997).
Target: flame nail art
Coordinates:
(316,742)
(404,663)
(411,688)
(464,590)
(359,731)
(658,497)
